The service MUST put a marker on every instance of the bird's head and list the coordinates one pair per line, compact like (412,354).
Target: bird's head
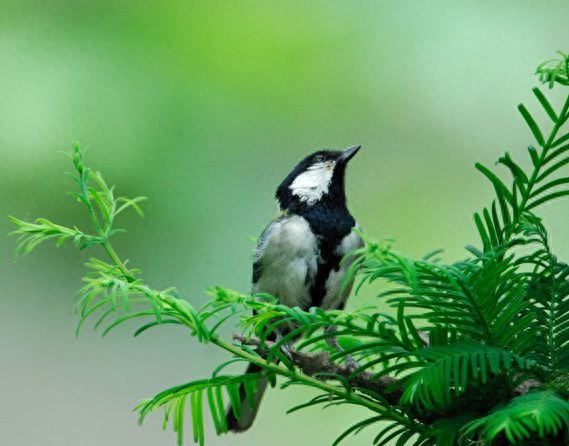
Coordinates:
(318,177)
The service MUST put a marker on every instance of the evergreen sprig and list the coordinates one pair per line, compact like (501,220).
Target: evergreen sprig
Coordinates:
(115,293)
(473,352)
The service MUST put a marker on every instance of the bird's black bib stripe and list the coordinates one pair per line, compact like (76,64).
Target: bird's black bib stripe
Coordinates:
(331,223)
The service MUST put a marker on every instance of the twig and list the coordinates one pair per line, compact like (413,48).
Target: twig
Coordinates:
(321,367)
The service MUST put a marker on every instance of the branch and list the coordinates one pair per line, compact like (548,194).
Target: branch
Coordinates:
(321,367)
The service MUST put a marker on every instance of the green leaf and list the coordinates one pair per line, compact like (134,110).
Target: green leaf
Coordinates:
(214,405)
(449,370)
(356,428)
(556,153)
(560,140)
(506,218)
(545,199)
(499,186)
(197,416)
(515,204)
(482,231)
(317,400)
(552,169)
(555,71)
(154,324)
(496,224)
(535,415)
(532,124)
(534,156)
(125,318)
(396,432)
(130,202)
(521,179)
(174,400)
(545,104)
(549,185)
(493,232)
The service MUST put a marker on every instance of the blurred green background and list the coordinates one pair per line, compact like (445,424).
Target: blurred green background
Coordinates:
(204,107)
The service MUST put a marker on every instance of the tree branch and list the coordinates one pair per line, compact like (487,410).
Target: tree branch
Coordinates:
(321,367)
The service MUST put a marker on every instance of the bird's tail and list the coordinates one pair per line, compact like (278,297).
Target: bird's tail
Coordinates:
(248,413)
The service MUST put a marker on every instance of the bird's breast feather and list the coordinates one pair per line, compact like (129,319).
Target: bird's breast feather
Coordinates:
(286,261)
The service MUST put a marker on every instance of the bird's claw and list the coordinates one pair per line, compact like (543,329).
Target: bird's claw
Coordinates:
(333,342)
(351,363)
(286,348)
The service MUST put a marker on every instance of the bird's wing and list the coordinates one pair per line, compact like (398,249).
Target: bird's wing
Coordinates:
(261,245)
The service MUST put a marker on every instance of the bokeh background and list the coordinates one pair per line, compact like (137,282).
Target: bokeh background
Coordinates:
(204,107)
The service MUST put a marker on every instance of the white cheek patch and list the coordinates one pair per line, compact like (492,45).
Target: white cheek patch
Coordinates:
(311,185)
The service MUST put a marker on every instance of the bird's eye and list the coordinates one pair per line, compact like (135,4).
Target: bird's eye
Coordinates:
(319,158)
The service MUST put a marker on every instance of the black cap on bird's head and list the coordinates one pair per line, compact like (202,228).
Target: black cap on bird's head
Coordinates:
(317,178)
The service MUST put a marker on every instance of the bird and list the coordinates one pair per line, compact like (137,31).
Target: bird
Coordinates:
(298,255)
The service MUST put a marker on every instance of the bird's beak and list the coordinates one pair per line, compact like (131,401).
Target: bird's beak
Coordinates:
(348,154)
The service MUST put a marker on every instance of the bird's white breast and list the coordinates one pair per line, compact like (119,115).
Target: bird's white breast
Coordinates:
(288,259)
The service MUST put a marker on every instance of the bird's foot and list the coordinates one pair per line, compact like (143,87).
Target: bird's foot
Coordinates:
(351,363)
(332,341)
(286,348)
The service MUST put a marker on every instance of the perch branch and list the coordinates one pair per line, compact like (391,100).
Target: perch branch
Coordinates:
(319,364)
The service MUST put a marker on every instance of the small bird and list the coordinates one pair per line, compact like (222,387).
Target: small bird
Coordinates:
(297,259)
